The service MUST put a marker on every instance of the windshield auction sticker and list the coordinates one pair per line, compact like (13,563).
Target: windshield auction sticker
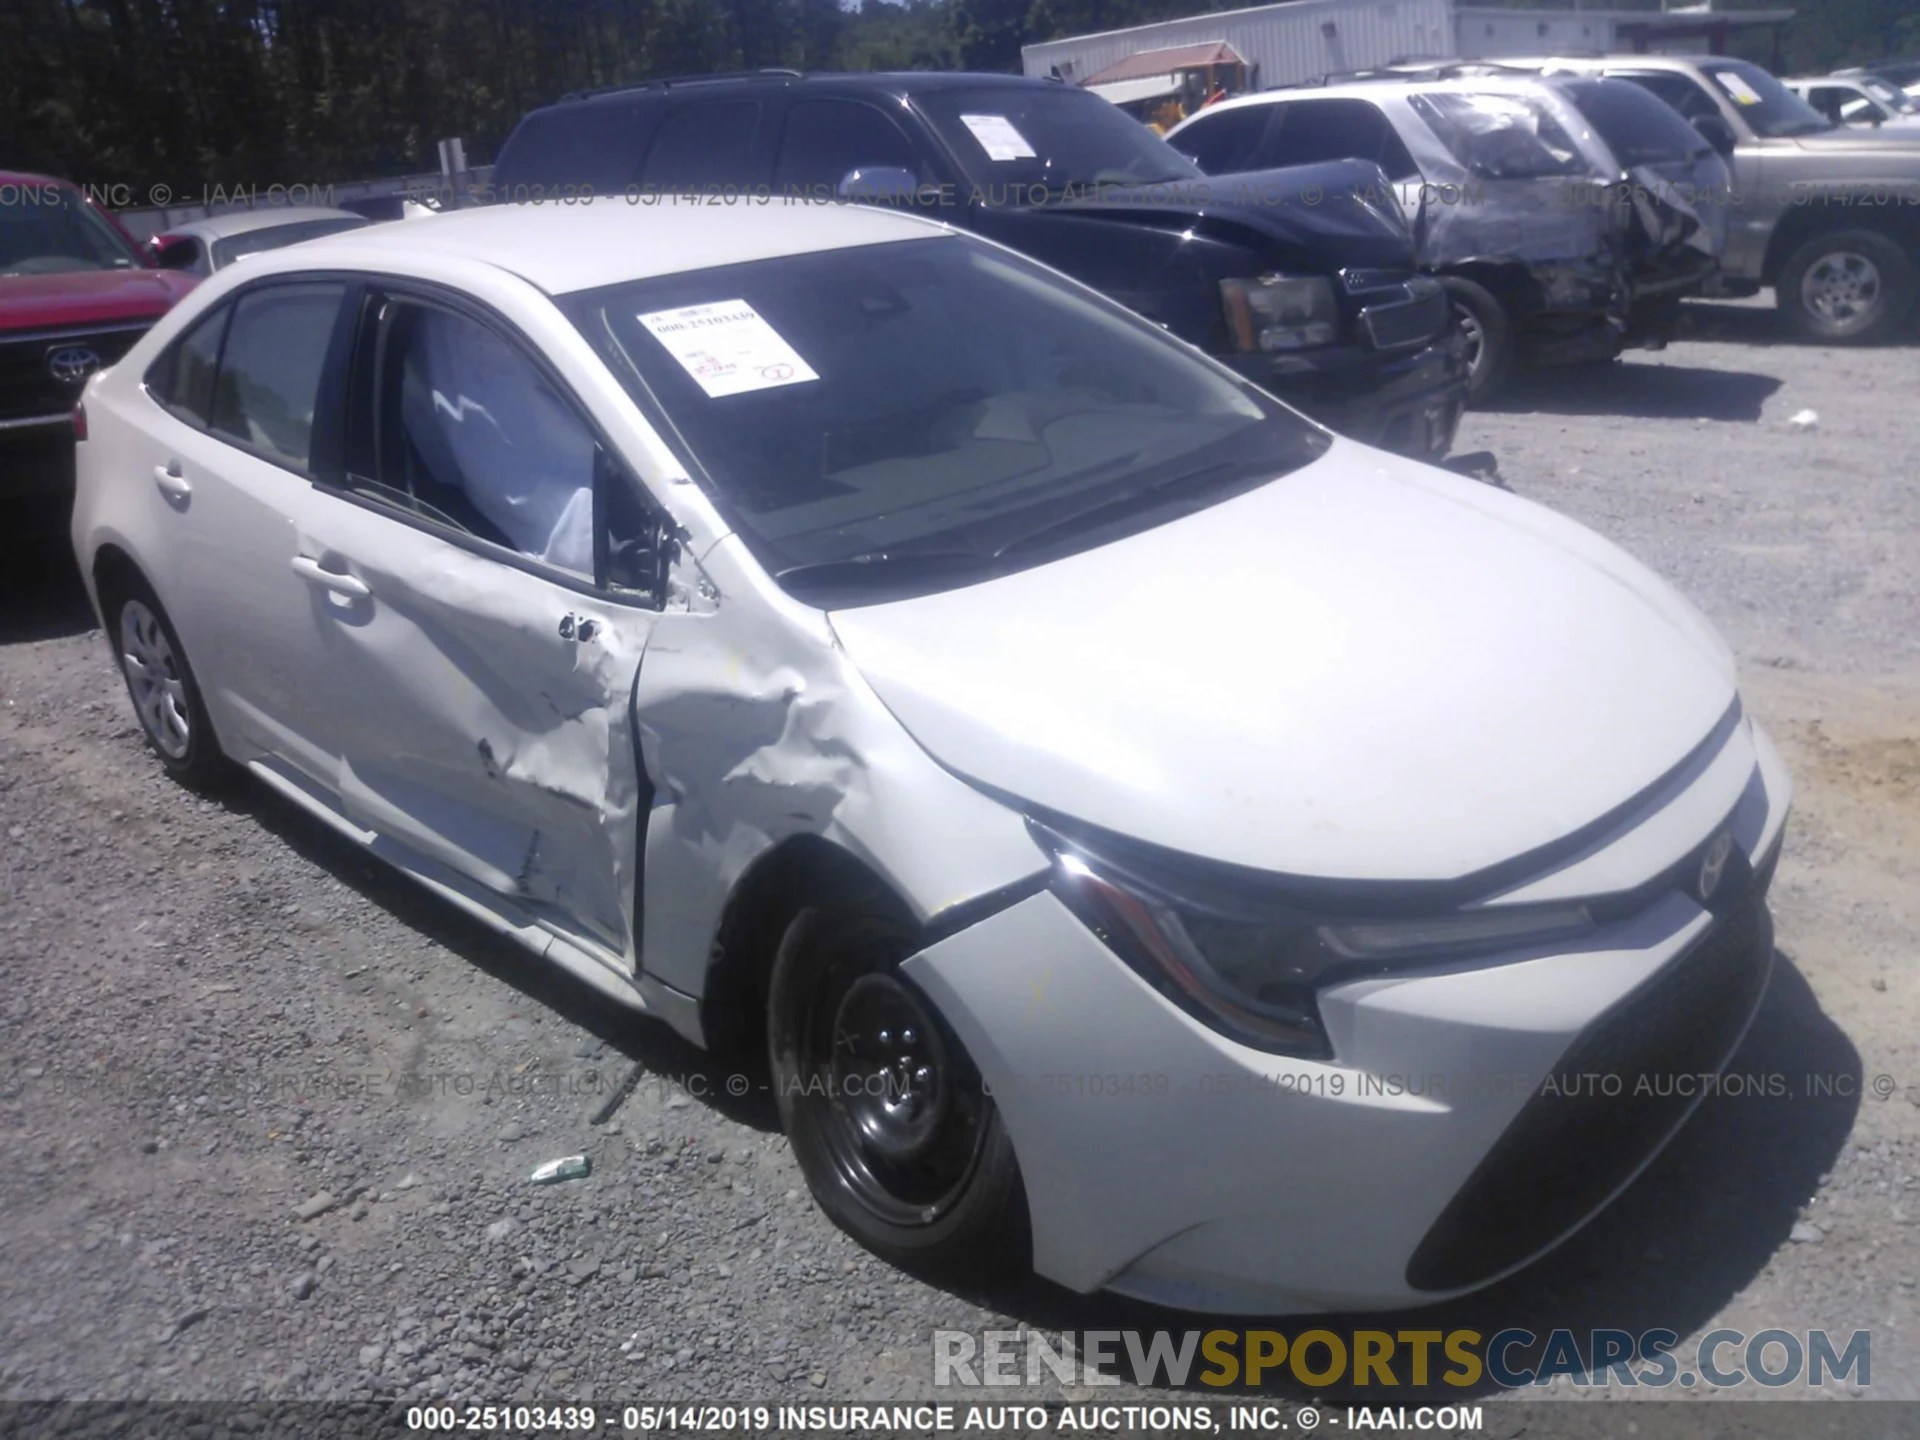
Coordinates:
(727,348)
(999,138)
(1737,87)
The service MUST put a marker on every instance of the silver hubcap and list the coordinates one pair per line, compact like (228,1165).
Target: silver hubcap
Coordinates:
(1842,288)
(153,675)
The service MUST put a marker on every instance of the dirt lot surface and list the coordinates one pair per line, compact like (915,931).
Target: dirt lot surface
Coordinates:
(217,1013)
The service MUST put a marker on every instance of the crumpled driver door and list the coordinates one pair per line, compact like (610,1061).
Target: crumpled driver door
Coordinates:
(485,715)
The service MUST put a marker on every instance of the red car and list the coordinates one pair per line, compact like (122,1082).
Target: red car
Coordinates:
(75,293)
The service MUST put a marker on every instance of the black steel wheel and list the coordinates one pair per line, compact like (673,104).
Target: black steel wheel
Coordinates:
(897,1136)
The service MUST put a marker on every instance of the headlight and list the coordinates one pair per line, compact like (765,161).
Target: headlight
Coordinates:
(1254,968)
(1280,312)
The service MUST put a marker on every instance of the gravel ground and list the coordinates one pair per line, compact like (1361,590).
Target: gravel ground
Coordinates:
(222,1020)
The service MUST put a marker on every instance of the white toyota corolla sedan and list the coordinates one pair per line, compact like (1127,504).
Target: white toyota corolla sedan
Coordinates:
(1282,875)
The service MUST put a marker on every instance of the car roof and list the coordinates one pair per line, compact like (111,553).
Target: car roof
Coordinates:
(566,248)
(1384,85)
(881,82)
(242,222)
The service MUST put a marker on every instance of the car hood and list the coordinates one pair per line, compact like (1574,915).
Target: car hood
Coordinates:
(1342,208)
(88,297)
(1365,669)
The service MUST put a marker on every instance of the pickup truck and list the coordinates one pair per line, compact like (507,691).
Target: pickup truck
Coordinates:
(75,293)
(1294,278)
(1828,215)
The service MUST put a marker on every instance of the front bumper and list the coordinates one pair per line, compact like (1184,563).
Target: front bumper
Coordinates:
(1430,1156)
(1406,401)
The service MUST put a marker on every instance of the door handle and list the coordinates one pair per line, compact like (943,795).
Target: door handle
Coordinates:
(578,627)
(172,483)
(340,583)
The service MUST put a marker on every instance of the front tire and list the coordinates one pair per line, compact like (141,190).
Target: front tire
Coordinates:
(890,1122)
(1853,287)
(1489,337)
(166,697)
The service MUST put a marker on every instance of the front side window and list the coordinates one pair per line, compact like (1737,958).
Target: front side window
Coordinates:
(182,378)
(1227,141)
(906,417)
(1679,91)
(824,140)
(269,380)
(1503,137)
(463,429)
(1313,131)
(1638,128)
(1050,136)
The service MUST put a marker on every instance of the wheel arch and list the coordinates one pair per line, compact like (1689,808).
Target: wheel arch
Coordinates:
(782,881)
(1803,223)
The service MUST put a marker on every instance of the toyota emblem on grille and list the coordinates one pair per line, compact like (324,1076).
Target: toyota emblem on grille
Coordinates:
(1714,864)
(71,364)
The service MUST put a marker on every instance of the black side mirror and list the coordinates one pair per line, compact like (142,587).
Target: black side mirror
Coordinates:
(175,252)
(1716,132)
(637,541)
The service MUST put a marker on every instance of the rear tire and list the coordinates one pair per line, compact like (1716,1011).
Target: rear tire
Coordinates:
(1489,337)
(890,1122)
(166,697)
(1852,287)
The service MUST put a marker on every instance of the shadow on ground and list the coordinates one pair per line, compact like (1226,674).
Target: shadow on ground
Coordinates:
(1752,323)
(1688,1235)
(1638,390)
(41,597)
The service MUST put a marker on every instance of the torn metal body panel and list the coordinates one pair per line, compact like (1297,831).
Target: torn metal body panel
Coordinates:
(758,728)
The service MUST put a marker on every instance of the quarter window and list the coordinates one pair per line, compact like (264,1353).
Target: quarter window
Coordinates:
(269,380)
(182,379)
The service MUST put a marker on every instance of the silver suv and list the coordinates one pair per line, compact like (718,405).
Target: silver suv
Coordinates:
(1828,215)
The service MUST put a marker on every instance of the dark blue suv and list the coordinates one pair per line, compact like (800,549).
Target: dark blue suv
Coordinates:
(1303,280)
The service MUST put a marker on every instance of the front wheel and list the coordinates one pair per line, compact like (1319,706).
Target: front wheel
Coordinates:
(1852,287)
(890,1122)
(1483,319)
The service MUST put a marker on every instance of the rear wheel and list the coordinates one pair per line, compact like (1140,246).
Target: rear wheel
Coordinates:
(160,683)
(1848,288)
(889,1120)
(1483,319)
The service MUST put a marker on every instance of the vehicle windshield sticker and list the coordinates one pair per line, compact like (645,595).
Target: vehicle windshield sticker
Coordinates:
(1730,82)
(727,348)
(998,137)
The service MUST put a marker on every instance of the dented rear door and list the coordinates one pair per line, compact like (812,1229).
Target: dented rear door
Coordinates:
(485,716)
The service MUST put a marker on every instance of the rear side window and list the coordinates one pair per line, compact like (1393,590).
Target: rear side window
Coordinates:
(825,140)
(1315,130)
(182,378)
(270,368)
(1227,140)
(703,145)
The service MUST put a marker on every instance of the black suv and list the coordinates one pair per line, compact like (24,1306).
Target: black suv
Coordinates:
(1299,279)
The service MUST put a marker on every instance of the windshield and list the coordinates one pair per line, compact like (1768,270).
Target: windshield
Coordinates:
(1053,136)
(1768,107)
(272,237)
(1503,137)
(49,228)
(1639,128)
(901,418)
(1891,96)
